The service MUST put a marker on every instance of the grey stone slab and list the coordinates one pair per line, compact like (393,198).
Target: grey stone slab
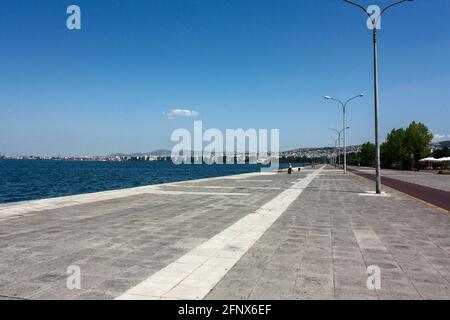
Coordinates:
(96,295)
(319,248)
(273,290)
(117,284)
(433,291)
(229,294)
(23,290)
(342,233)
(399,295)
(389,286)
(348,294)
(116,242)
(315,281)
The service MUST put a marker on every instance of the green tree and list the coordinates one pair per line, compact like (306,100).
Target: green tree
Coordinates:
(367,154)
(403,148)
(441,153)
(393,151)
(354,159)
(417,140)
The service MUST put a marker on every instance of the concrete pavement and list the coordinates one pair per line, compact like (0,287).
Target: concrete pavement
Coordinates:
(313,244)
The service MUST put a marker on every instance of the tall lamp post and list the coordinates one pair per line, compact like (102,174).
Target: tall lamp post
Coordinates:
(338,146)
(334,154)
(344,107)
(374,21)
(339,133)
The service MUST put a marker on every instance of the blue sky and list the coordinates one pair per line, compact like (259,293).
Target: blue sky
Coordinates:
(239,63)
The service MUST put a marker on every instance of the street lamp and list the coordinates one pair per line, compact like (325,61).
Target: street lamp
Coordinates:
(339,142)
(338,146)
(334,151)
(374,21)
(344,107)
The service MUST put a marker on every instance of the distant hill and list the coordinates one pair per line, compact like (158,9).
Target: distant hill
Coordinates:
(156,153)
(161,153)
(441,144)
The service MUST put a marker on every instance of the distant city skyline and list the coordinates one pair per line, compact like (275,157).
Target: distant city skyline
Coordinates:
(135,72)
(166,153)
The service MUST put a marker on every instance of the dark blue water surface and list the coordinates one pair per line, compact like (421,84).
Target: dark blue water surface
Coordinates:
(37,179)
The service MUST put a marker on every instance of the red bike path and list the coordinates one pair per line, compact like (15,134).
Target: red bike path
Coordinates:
(433,196)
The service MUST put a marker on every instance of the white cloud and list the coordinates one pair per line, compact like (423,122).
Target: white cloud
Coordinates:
(440,137)
(180,113)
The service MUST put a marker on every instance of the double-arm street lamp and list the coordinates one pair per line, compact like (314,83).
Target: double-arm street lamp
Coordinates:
(338,141)
(344,107)
(375,20)
(339,133)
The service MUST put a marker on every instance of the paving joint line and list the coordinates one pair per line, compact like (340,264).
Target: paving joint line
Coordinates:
(204,266)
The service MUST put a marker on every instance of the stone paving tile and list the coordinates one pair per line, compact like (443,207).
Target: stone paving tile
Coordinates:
(318,249)
(338,234)
(119,242)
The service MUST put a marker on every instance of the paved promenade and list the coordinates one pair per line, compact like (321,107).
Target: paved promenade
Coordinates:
(310,235)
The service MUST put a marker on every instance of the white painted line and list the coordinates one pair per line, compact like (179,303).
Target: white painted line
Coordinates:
(196,273)
(136,297)
(226,187)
